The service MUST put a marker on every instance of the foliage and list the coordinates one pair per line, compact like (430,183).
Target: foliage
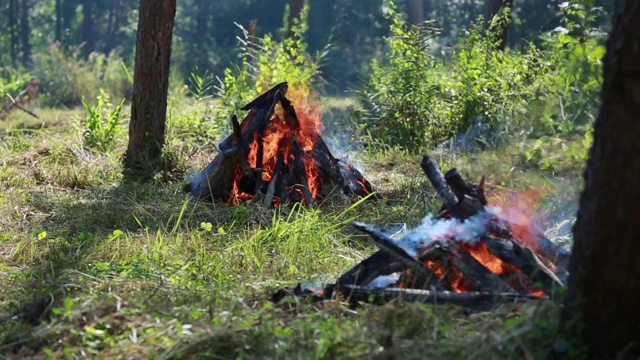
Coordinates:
(545,90)
(65,79)
(101,127)
(264,63)
(400,93)
(11,83)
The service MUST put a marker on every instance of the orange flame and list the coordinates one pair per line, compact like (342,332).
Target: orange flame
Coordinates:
(519,209)
(277,140)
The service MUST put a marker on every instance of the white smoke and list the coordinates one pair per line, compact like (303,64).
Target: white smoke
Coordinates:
(430,230)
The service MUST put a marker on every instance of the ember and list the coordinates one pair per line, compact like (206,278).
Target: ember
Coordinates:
(278,155)
(483,253)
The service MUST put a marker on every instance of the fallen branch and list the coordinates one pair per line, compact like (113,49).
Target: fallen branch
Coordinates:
(378,296)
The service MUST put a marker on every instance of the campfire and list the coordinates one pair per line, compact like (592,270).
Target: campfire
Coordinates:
(470,253)
(277,155)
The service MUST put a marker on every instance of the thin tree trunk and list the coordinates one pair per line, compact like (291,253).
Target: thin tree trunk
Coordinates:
(25,32)
(604,285)
(416,11)
(58,20)
(295,10)
(112,27)
(13,32)
(151,81)
(492,9)
(68,15)
(202,20)
(87,26)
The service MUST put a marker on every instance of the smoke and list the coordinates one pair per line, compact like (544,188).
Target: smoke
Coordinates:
(430,230)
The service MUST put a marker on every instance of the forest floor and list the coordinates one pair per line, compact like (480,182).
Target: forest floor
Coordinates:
(94,268)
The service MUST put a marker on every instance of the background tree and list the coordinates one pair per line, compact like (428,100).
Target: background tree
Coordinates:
(415,8)
(492,9)
(25,32)
(151,82)
(604,286)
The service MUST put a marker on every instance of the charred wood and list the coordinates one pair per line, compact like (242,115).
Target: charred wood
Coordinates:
(386,244)
(523,258)
(468,299)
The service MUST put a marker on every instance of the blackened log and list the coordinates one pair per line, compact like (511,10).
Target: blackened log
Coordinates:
(271,190)
(380,263)
(475,275)
(461,187)
(267,98)
(215,181)
(300,171)
(260,112)
(524,259)
(462,207)
(289,111)
(387,244)
(435,176)
(243,148)
(469,299)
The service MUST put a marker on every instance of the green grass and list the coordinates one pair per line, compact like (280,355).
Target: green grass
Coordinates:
(93,268)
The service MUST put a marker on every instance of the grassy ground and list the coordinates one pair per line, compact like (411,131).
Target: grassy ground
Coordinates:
(93,268)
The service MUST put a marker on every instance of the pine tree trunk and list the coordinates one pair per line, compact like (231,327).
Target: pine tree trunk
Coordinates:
(604,285)
(58,20)
(25,32)
(416,11)
(13,31)
(492,9)
(87,27)
(151,81)
(295,10)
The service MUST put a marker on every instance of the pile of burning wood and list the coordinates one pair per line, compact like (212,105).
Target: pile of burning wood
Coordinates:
(277,156)
(470,253)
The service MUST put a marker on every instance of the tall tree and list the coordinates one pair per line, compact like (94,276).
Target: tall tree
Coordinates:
(150,84)
(415,8)
(58,20)
(295,10)
(13,31)
(25,32)
(88,37)
(604,285)
(492,9)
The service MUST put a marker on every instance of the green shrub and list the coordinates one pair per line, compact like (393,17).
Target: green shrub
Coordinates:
(11,83)
(413,100)
(400,93)
(65,79)
(102,125)
(266,62)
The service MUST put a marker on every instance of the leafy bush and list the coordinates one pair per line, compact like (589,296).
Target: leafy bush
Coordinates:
(401,90)
(65,79)
(266,62)
(413,100)
(102,125)
(11,83)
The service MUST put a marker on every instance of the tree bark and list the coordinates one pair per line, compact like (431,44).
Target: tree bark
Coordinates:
(604,282)
(492,9)
(13,31)
(151,81)
(25,32)
(295,10)
(88,37)
(58,30)
(416,11)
